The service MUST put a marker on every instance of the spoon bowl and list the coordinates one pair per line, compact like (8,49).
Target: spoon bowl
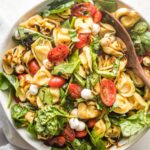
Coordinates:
(133,62)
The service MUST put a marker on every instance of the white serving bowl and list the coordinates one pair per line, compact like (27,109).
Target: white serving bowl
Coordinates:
(20,137)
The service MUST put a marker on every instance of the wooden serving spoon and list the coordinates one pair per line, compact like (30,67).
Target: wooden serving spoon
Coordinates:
(133,61)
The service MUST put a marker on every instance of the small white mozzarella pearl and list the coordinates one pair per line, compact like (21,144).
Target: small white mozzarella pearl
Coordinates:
(73,122)
(17,36)
(81,126)
(146,61)
(74,112)
(33,89)
(95,28)
(86,94)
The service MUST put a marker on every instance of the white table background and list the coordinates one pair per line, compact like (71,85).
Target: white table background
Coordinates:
(11,10)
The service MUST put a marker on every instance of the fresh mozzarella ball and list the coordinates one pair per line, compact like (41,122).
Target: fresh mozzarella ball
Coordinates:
(74,112)
(146,61)
(73,122)
(33,89)
(95,28)
(86,94)
(81,126)
(17,36)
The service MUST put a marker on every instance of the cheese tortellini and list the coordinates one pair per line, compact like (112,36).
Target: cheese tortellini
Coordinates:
(137,101)
(88,110)
(125,85)
(40,49)
(61,35)
(12,58)
(113,45)
(121,105)
(42,77)
(86,59)
(127,17)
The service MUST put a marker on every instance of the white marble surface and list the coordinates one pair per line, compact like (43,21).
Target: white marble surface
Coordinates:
(11,10)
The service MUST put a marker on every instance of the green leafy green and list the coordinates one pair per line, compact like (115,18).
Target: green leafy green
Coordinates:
(18,113)
(96,43)
(134,123)
(50,120)
(140,28)
(45,95)
(79,79)
(65,69)
(145,39)
(58,6)
(109,5)
(73,35)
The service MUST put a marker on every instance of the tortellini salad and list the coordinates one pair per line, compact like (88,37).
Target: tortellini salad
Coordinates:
(68,80)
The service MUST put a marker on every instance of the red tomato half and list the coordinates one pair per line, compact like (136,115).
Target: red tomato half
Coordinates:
(75,90)
(33,67)
(84,39)
(107,92)
(87,9)
(69,134)
(91,123)
(81,134)
(59,53)
(56,141)
(56,82)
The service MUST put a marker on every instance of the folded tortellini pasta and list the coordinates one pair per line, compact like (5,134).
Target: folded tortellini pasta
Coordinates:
(40,49)
(147,93)
(127,17)
(42,77)
(27,57)
(121,105)
(12,58)
(61,35)
(137,101)
(88,110)
(106,28)
(24,85)
(125,85)
(55,93)
(113,45)
(32,23)
(83,24)
(86,59)
(136,80)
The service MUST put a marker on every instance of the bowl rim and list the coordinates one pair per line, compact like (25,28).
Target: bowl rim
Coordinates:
(36,9)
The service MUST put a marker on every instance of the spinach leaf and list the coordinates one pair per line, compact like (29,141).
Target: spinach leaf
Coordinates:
(8,81)
(96,43)
(140,28)
(79,79)
(58,6)
(45,95)
(50,120)
(134,123)
(65,69)
(28,36)
(109,5)
(145,39)
(73,35)
(18,113)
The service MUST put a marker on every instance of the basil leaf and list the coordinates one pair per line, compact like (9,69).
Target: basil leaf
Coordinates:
(73,35)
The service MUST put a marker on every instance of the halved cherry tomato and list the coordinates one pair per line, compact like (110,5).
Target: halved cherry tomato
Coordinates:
(20,76)
(69,134)
(107,92)
(75,90)
(91,123)
(81,134)
(97,17)
(56,82)
(84,39)
(59,53)
(56,141)
(33,67)
(87,9)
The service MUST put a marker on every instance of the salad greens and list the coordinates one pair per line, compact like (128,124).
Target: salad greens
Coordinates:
(58,6)
(18,113)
